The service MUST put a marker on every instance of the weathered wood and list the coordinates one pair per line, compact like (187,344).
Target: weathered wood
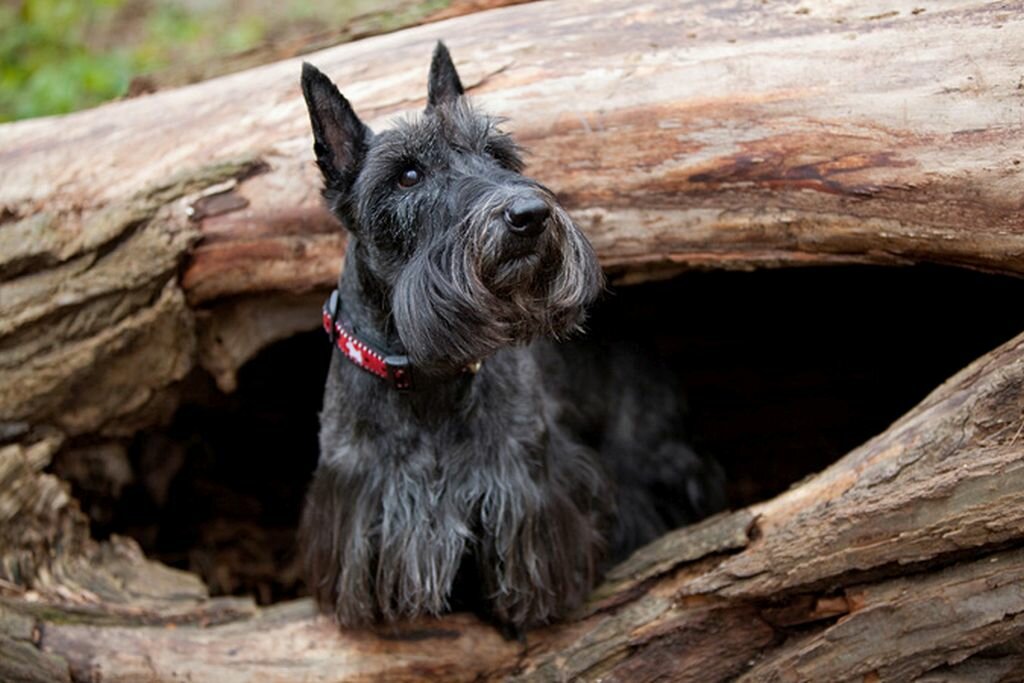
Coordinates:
(945,478)
(901,559)
(283,643)
(898,630)
(680,134)
(23,660)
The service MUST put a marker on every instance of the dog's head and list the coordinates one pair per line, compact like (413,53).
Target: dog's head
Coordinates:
(470,254)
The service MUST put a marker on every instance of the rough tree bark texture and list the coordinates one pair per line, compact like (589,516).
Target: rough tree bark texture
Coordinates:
(144,237)
(903,561)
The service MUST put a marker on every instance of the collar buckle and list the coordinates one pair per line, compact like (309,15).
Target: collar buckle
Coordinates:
(330,315)
(399,372)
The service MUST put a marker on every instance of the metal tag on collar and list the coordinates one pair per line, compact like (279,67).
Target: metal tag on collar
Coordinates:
(331,309)
(399,372)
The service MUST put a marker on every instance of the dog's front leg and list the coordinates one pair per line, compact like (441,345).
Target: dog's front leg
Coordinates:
(543,542)
(336,541)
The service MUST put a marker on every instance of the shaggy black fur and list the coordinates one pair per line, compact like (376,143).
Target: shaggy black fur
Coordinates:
(508,488)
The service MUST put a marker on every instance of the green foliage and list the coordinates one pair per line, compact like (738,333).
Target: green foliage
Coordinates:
(57,56)
(46,66)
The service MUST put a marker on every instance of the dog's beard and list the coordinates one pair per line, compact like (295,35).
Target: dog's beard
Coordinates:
(476,290)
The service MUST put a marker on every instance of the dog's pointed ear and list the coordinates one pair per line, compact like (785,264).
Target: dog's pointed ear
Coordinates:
(340,139)
(443,84)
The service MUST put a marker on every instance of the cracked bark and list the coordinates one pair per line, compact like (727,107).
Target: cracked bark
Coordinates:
(138,239)
(903,560)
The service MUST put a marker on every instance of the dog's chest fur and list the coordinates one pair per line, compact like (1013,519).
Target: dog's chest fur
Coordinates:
(473,471)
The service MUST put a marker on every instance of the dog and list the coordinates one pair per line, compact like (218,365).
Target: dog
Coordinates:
(470,457)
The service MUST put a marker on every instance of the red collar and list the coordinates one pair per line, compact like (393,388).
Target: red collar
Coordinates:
(396,369)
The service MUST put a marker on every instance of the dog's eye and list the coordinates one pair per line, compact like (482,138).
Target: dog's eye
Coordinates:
(409,177)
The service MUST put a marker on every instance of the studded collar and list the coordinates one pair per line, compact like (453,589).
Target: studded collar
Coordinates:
(394,368)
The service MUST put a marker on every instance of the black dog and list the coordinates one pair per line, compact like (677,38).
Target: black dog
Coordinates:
(466,458)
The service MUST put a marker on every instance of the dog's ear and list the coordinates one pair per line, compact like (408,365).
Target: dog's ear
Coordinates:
(443,84)
(340,139)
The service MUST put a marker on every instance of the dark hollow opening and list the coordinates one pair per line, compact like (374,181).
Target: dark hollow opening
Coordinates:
(786,371)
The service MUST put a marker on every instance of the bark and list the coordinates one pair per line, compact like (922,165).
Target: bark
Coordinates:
(681,136)
(148,237)
(903,561)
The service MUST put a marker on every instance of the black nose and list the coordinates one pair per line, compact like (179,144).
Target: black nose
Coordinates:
(527,216)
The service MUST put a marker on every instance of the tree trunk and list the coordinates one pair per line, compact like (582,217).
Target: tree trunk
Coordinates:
(146,237)
(901,562)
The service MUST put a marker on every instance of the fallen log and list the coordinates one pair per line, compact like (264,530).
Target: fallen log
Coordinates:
(144,238)
(901,562)
(679,136)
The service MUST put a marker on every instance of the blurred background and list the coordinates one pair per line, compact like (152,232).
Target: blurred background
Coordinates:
(58,56)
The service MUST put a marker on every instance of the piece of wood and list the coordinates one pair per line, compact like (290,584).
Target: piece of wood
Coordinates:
(695,135)
(900,561)
(282,643)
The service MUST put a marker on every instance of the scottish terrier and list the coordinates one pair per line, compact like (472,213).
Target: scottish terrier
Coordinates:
(468,457)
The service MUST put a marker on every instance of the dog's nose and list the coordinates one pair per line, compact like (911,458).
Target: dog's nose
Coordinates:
(527,216)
